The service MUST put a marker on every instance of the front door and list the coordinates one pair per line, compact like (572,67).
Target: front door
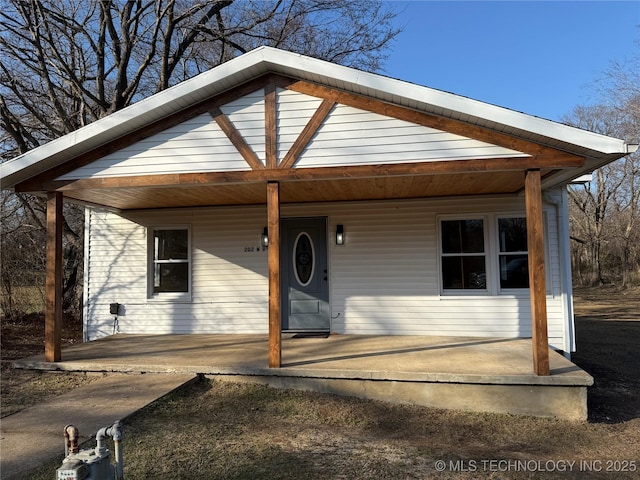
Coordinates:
(304,279)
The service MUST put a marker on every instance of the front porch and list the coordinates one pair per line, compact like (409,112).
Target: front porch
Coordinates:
(466,373)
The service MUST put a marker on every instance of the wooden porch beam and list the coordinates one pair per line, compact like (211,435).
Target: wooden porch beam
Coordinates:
(273,221)
(318,173)
(53,283)
(307,133)
(537,283)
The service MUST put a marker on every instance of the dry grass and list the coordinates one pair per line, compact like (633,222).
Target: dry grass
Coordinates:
(28,300)
(20,389)
(217,430)
(224,430)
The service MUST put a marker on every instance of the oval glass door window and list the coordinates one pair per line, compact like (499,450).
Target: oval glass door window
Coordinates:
(304,259)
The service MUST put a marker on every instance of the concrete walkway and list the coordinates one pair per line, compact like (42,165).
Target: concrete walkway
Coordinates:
(34,435)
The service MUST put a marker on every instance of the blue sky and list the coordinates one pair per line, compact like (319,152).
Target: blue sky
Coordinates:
(540,58)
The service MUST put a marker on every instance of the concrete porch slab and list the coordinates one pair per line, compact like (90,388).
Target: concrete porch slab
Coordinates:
(468,373)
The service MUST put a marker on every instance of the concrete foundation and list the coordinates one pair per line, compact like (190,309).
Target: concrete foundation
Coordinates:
(566,402)
(473,374)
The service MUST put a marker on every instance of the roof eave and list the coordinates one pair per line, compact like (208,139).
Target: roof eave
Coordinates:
(265,60)
(306,67)
(564,177)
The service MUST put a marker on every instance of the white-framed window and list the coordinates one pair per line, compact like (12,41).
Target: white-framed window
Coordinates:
(513,256)
(463,255)
(486,254)
(170,262)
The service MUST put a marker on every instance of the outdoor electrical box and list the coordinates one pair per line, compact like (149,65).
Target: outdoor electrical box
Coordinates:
(114,308)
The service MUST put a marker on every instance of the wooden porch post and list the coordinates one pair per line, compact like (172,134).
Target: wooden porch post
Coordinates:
(537,283)
(53,284)
(273,216)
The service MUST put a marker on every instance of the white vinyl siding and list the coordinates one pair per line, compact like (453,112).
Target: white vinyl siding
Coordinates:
(197,145)
(348,136)
(383,281)
(247,116)
(294,110)
(229,286)
(116,266)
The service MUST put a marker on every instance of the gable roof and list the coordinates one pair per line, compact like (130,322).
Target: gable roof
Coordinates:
(596,149)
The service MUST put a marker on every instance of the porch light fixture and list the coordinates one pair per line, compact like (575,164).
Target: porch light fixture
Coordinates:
(339,235)
(264,238)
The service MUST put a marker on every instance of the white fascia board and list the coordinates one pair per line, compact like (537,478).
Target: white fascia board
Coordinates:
(529,123)
(489,112)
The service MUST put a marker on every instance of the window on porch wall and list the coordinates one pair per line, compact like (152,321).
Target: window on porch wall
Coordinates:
(171,261)
(463,255)
(513,257)
(465,246)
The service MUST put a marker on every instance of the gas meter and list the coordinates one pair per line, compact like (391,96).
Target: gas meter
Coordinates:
(91,463)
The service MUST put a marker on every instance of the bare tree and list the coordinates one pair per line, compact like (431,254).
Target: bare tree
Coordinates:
(605,215)
(21,246)
(23,254)
(67,63)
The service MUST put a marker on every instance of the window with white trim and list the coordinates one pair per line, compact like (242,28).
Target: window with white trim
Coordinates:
(513,256)
(170,262)
(463,254)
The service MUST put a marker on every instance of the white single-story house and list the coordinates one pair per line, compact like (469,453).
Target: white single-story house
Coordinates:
(280,193)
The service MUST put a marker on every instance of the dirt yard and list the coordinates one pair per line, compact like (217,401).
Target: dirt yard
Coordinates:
(222,430)
(608,347)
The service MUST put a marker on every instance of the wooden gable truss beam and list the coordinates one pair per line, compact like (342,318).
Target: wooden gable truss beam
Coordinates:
(542,157)
(270,126)
(419,118)
(35,183)
(310,129)
(236,138)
